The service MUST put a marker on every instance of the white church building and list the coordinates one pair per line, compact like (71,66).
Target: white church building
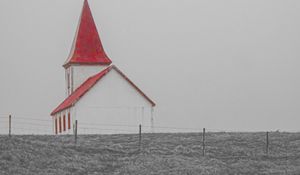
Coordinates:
(98,95)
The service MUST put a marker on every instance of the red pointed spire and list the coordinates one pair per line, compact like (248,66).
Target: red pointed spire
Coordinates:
(87,47)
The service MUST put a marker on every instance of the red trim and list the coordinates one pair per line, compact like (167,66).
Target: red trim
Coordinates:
(67,65)
(88,84)
(80,91)
(130,82)
(69,120)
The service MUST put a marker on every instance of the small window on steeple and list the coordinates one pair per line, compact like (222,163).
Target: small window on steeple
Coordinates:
(68,80)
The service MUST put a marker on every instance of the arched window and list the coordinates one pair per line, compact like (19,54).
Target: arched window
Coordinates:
(55,125)
(64,122)
(69,120)
(59,124)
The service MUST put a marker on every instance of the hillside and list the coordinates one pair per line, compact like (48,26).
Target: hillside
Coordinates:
(226,153)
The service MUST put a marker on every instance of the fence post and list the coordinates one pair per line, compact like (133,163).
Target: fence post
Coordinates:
(140,136)
(267,143)
(76,125)
(203,142)
(9,125)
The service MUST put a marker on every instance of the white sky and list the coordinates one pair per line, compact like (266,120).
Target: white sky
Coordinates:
(230,65)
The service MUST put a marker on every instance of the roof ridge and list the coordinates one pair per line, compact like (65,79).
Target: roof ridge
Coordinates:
(77,94)
(89,83)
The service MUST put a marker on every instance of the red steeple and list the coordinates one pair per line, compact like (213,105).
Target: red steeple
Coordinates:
(87,47)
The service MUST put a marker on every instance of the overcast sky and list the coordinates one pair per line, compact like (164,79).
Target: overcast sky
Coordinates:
(218,64)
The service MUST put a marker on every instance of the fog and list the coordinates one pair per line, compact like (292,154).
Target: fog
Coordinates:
(226,65)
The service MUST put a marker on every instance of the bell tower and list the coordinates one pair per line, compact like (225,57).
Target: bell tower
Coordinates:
(87,56)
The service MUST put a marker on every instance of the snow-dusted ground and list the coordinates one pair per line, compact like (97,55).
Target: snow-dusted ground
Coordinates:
(226,153)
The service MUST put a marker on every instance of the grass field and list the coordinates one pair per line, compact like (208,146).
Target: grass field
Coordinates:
(181,153)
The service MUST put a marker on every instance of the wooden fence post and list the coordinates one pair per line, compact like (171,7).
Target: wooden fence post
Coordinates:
(267,143)
(203,142)
(76,125)
(9,125)
(140,135)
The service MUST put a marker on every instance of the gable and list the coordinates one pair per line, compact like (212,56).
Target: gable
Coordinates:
(126,86)
(113,90)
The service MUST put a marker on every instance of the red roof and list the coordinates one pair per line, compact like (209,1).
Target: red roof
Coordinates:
(87,47)
(88,84)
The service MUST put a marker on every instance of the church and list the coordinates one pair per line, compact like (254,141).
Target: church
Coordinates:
(99,95)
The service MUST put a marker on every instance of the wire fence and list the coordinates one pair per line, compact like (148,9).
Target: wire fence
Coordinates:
(210,143)
(25,125)
(280,148)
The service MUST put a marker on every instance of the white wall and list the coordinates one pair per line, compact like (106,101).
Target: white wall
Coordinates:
(80,73)
(110,105)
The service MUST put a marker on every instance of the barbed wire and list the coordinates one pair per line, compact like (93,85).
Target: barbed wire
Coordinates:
(36,122)
(32,124)
(33,130)
(25,118)
(143,126)
(28,115)
(170,127)
(31,118)
(102,124)
(89,127)
(105,129)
